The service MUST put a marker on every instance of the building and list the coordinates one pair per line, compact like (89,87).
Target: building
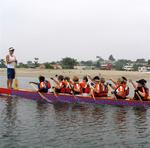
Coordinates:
(84,67)
(145,68)
(56,66)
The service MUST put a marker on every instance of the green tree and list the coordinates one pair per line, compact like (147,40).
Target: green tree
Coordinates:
(120,63)
(111,58)
(22,65)
(148,61)
(140,61)
(68,63)
(87,63)
(36,61)
(2,63)
(48,65)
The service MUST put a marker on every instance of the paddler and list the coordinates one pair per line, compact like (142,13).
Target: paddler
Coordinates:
(103,87)
(141,91)
(121,90)
(60,87)
(43,85)
(67,85)
(85,87)
(76,87)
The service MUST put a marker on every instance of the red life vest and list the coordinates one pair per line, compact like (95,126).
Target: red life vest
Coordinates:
(145,92)
(103,90)
(67,87)
(46,85)
(124,89)
(60,87)
(77,88)
(85,87)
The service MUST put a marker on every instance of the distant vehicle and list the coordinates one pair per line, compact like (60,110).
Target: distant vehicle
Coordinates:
(107,66)
(128,68)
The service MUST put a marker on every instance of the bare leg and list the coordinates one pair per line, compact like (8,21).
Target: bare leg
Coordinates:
(9,83)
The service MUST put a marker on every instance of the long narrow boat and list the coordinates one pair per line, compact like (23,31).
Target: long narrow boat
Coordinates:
(66,98)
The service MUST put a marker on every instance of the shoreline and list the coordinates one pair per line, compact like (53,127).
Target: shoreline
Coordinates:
(22,72)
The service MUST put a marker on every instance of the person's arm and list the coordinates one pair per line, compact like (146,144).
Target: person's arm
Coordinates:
(34,83)
(113,81)
(7,59)
(55,81)
(134,85)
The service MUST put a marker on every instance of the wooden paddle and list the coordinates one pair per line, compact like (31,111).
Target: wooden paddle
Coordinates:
(16,84)
(41,95)
(135,89)
(91,87)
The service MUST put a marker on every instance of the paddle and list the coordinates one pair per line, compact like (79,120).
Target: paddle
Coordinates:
(112,90)
(16,84)
(92,88)
(41,95)
(135,89)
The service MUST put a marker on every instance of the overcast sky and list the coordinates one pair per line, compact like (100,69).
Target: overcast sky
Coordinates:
(82,29)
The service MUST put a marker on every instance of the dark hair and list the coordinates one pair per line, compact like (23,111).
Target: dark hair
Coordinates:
(60,77)
(67,78)
(96,78)
(75,79)
(41,78)
(85,78)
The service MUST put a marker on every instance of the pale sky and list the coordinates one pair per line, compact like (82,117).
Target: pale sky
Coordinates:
(81,29)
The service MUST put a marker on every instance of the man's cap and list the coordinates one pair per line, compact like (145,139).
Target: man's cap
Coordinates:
(11,49)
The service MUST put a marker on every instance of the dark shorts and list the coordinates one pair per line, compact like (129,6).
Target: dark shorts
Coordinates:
(10,73)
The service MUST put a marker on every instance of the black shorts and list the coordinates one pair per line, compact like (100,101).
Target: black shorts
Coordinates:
(10,73)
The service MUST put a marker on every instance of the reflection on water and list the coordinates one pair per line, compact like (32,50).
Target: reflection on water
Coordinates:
(27,123)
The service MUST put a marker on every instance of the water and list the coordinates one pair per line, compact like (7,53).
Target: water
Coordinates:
(26,123)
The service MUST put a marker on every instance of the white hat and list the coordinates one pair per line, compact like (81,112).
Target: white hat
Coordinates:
(11,49)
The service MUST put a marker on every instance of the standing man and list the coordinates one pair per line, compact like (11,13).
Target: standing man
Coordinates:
(11,63)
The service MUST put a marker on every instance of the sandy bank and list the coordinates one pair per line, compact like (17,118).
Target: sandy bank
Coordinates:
(51,73)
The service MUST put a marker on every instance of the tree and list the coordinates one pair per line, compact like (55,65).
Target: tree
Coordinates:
(68,63)
(120,63)
(2,63)
(100,58)
(111,58)
(22,65)
(140,61)
(48,65)
(87,63)
(36,61)
(148,61)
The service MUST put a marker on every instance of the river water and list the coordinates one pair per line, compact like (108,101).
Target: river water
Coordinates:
(30,124)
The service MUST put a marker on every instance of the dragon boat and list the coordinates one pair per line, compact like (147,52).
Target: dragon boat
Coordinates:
(68,98)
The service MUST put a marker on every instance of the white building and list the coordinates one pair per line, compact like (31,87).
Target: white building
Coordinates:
(145,68)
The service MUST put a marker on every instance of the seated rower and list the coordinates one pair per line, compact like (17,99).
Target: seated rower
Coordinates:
(141,90)
(96,86)
(43,84)
(85,87)
(104,87)
(67,85)
(59,88)
(121,90)
(76,86)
